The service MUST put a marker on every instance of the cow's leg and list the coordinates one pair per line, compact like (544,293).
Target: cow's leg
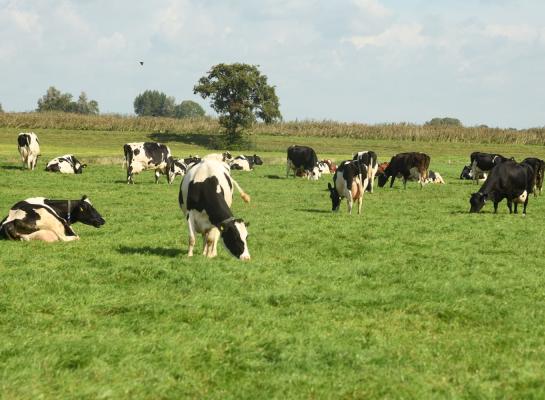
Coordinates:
(405,179)
(205,248)
(510,206)
(43,235)
(129,175)
(157,175)
(288,168)
(392,181)
(213,237)
(516,208)
(525,205)
(495,207)
(191,229)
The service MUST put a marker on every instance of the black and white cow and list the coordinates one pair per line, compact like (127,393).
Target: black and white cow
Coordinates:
(67,164)
(370,160)
(29,149)
(206,195)
(175,167)
(39,218)
(146,155)
(349,181)
(303,158)
(482,163)
(539,171)
(246,163)
(466,173)
(406,164)
(507,180)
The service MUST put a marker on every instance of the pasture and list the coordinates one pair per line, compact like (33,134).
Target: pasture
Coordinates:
(416,298)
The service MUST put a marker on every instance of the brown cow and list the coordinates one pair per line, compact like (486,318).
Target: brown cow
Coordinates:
(405,165)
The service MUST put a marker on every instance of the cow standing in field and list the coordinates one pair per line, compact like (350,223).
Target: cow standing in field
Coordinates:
(67,164)
(48,220)
(175,167)
(303,158)
(482,163)
(539,171)
(508,180)
(29,149)
(349,182)
(405,165)
(146,155)
(246,163)
(369,159)
(206,195)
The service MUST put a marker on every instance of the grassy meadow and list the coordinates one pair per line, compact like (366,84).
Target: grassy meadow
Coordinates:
(416,298)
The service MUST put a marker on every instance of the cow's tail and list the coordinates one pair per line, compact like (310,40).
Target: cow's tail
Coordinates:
(245,196)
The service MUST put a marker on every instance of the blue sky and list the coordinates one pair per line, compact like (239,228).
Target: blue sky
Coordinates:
(368,61)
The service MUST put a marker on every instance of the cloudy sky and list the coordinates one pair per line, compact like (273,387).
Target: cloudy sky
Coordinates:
(482,61)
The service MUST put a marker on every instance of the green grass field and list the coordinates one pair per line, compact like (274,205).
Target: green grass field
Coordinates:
(416,298)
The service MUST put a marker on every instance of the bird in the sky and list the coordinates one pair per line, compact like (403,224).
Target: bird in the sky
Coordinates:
(141,62)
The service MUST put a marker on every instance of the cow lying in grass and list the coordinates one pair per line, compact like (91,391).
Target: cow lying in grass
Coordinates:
(39,218)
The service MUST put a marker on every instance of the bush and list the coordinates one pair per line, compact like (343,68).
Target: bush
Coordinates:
(153,103)
(444,122)
(188,109)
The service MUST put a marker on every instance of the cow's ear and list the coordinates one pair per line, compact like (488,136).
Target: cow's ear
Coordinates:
(247,223)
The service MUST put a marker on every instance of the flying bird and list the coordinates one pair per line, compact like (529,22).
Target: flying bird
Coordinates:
(141,62)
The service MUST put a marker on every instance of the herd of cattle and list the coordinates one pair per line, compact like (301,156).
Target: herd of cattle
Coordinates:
(206,191)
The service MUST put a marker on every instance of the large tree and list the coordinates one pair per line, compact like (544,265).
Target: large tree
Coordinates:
(240,94)
(153,103)
(55,100)
(1,109)
(188,109)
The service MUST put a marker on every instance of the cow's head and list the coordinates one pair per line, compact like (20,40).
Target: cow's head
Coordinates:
(382,179)
(477,201)
(234,233)
(85,213)
(335,197)
(175,168)
(257,160)
(226,156)
(78,167)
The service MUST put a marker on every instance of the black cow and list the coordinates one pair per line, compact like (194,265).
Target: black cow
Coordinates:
(39,218)
(407,165)
(145,155)
(349,181)
(539,171)
(482,163)
(303,158)
(508,180)
(369,159)
(246,163)
(67,164)
(206,195)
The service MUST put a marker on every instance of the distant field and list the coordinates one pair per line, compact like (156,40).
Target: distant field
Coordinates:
(415,298)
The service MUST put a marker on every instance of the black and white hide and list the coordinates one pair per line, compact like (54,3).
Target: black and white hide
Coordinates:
(302,160)
(349,182)
(145,155)
(206,195)
(48,220)
(245,163)
(29,149)
(175,167)
(67,164)
(370,160)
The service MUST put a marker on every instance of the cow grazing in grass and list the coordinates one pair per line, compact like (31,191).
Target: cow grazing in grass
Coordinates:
(303,158)
(48,220)
(349,182)
(369,159)
(206,195)
(405,165)
(67,164)
(508,180)
(482,163)
(539,170)
(246,163)
(29,149)
(327,166)
(145,155)
(175,167)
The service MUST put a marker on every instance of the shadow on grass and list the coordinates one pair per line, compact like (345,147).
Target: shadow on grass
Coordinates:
(12,167)
(198,139)
(273,177)
(158,251)
(314,210)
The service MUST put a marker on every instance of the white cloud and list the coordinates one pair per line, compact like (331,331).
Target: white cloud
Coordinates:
(409,35)
(26,22)
(516,33)
(112,43)
(372,8)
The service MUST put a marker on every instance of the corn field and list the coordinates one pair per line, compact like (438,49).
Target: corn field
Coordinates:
(207,125)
